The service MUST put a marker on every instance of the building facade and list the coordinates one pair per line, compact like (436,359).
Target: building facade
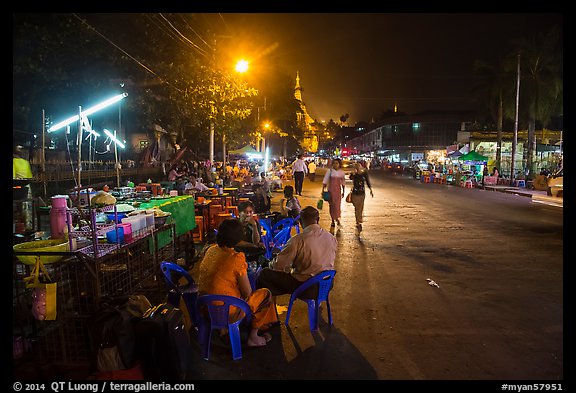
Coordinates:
(409,138)
(399,138)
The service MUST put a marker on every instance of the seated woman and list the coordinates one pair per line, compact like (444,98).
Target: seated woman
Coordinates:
(223,271)
(251,242)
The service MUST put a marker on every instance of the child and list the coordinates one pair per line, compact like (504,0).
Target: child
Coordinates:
(290,205)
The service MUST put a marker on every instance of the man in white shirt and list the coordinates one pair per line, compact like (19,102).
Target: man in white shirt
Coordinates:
(309,253)
(299,169)
(312,170)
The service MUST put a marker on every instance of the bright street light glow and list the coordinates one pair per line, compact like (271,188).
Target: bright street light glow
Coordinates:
(114,138)
(242,66)
(86,125)
(254,155)
(88,111)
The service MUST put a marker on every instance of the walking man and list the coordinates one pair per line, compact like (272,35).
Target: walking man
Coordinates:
(299,169)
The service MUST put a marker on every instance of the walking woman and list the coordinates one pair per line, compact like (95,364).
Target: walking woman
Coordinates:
(360,180)
(334,181)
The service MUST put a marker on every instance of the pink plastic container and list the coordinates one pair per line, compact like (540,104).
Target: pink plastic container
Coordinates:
(127,231)
(60,201)
(58,216)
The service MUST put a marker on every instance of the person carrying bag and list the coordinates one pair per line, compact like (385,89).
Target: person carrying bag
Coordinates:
(334,184)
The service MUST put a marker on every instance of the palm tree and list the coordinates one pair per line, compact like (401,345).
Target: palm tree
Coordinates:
(542,84)
(496,88)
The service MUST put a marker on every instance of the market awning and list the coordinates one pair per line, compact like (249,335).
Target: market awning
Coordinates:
(455,154)
(246,150)
(473,158)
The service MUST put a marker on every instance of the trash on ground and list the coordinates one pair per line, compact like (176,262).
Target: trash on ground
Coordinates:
(281,309)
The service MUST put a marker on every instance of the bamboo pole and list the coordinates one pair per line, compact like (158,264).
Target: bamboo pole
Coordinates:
(116,159)
(44,153)
(79,168)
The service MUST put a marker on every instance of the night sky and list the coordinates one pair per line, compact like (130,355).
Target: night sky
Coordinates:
(363,64)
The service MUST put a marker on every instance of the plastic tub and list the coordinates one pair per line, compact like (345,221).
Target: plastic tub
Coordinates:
(111,236)
(149,219)
(138,223)
(49,245)
(85,196)
(111,217)
(127,231)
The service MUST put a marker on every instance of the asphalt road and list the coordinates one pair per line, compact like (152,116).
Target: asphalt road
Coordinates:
(497,314)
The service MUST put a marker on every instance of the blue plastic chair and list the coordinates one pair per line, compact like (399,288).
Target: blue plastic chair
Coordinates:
(253,276)
(276,242)
(266,223)
(213,312)
(281,238)
(189,292)
(286,222)
(324,282)
(277,234)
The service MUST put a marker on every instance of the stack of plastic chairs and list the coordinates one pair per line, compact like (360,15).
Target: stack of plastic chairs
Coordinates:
(278,234)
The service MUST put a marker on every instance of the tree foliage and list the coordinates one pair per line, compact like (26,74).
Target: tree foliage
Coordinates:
(63,60)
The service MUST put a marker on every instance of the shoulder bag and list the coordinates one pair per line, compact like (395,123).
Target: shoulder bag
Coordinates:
(326,194)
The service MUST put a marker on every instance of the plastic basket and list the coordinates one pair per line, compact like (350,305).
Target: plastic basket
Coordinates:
(49,245)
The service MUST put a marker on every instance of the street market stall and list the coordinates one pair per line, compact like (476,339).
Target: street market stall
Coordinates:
(472,165)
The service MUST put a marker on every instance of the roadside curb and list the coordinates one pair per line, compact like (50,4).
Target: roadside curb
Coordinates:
(537,196)
(549,200)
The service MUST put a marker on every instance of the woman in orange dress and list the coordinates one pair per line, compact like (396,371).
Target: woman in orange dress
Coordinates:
(223,271)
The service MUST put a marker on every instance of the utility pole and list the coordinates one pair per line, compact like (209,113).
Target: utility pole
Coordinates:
(79,185)
(120,135)
(515,137)
(44,153)
(212,109)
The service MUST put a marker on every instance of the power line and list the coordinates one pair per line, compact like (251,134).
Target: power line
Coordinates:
(174,30)
(194,31)
(126,53)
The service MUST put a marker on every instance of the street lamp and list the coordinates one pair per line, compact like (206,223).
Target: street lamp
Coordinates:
(266,128)
(242,66)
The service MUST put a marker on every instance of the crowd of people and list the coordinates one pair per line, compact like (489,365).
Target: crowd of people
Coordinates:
(197,176)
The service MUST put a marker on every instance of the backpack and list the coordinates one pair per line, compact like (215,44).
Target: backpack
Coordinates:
(112,331)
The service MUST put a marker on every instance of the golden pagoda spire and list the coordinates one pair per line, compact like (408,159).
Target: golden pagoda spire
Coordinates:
(298,89)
